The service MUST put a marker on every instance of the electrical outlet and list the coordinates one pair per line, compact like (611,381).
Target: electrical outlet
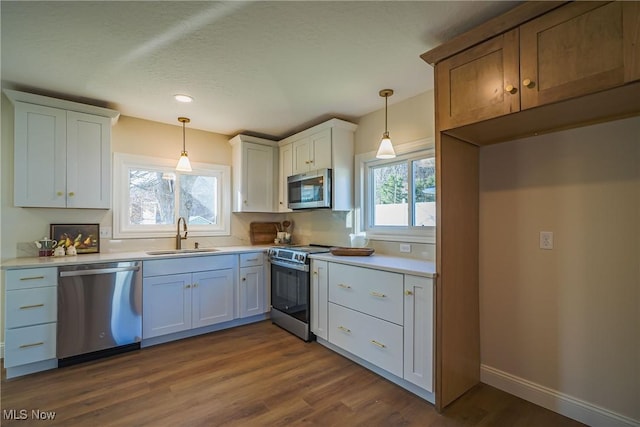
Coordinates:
(405,247)
(546,240)
(105,232)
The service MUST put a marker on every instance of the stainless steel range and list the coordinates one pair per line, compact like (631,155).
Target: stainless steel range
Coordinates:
(290,292)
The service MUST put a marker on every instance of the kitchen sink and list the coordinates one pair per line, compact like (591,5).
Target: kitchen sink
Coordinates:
(181,251)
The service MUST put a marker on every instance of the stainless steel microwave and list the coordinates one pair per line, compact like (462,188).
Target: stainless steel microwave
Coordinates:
(310,190)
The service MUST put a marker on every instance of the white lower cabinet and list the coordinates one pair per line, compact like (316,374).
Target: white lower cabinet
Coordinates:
(382,317)
(319,298)
(418,331)
(251,287)
(179,302)
(31,313)
(200,294)
(374,340)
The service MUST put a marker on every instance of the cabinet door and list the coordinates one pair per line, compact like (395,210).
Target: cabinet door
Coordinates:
(319,298)
(286,170)
(257,177)
(30,344)
(321,145)
(418,331)
(166,305)
(474,85)
(40,161)
(212,296)
(302,154)
(580,48)
(251,292)
(88,171)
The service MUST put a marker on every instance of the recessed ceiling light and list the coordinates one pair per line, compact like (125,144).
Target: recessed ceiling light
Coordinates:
(183,98)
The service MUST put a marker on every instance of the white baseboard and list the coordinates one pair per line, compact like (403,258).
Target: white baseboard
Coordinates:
(554,400)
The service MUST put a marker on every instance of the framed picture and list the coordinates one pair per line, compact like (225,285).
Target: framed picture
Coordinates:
(85,237)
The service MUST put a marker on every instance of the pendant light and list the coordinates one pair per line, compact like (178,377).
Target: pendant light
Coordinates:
(183,164)
(385,150)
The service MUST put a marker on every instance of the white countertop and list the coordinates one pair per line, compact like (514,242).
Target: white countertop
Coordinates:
(395,264)
(31,262)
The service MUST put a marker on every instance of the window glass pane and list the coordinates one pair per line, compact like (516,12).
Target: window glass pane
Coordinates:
(151,197)
(424,189)
(198,199)
(390,195)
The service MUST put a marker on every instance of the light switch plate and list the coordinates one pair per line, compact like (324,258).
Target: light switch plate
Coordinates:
(105,232)
(546,240)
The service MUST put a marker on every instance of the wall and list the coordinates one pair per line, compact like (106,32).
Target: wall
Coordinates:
(409,120)
(569,318)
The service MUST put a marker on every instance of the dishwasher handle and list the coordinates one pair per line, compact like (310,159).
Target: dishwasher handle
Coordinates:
(73,273)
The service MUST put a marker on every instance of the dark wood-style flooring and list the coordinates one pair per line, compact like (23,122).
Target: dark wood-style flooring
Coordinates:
(255,375)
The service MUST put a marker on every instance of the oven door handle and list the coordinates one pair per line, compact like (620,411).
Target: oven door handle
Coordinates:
(291,265)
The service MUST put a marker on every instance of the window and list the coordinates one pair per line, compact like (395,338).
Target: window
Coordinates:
(397,196)
(150,196)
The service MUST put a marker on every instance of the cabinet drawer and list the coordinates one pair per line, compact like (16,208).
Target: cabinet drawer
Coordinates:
(252,259)
(374,292)
(31,278)
(374,340)
(30,344)
(26,307)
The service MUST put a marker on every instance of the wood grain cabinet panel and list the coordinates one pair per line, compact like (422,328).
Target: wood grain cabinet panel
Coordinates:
(578,49)
(471,85)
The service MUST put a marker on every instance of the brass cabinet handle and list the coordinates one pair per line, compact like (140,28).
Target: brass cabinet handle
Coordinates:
(35,344)
(71,194)
(408,292)
(378,294)
(510,89)
(195,285)
(59,193)
(188,286)
(26,307)
(32,278)
(379,344)
(315,273)
(343,329)
(343,286)
(528,83)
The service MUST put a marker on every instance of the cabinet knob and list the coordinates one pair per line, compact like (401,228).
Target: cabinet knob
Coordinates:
(59,193)
(244,279)
(528,83)
(408,292)
(71,194)
(188,286)
(245,202)
(510,89)
(195,285)
(315,273)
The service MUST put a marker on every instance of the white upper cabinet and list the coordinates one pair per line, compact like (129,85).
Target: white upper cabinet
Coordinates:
(285,170)
(312,152)
(254,174)
(62,157)
(327,145)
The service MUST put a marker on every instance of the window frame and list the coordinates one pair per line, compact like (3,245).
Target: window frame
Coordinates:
(122,230)
(364,195)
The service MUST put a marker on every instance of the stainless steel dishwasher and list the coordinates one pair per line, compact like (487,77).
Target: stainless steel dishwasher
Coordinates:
(99,310)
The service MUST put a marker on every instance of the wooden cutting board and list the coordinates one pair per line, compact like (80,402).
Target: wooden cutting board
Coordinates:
(262,233)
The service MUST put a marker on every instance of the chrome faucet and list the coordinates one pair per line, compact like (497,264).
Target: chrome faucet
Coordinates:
(179,238)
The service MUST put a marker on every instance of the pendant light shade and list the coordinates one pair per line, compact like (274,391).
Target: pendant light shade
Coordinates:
(385,150)
(183,164)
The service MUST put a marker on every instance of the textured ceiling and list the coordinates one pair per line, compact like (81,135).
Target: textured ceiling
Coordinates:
(266,68)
